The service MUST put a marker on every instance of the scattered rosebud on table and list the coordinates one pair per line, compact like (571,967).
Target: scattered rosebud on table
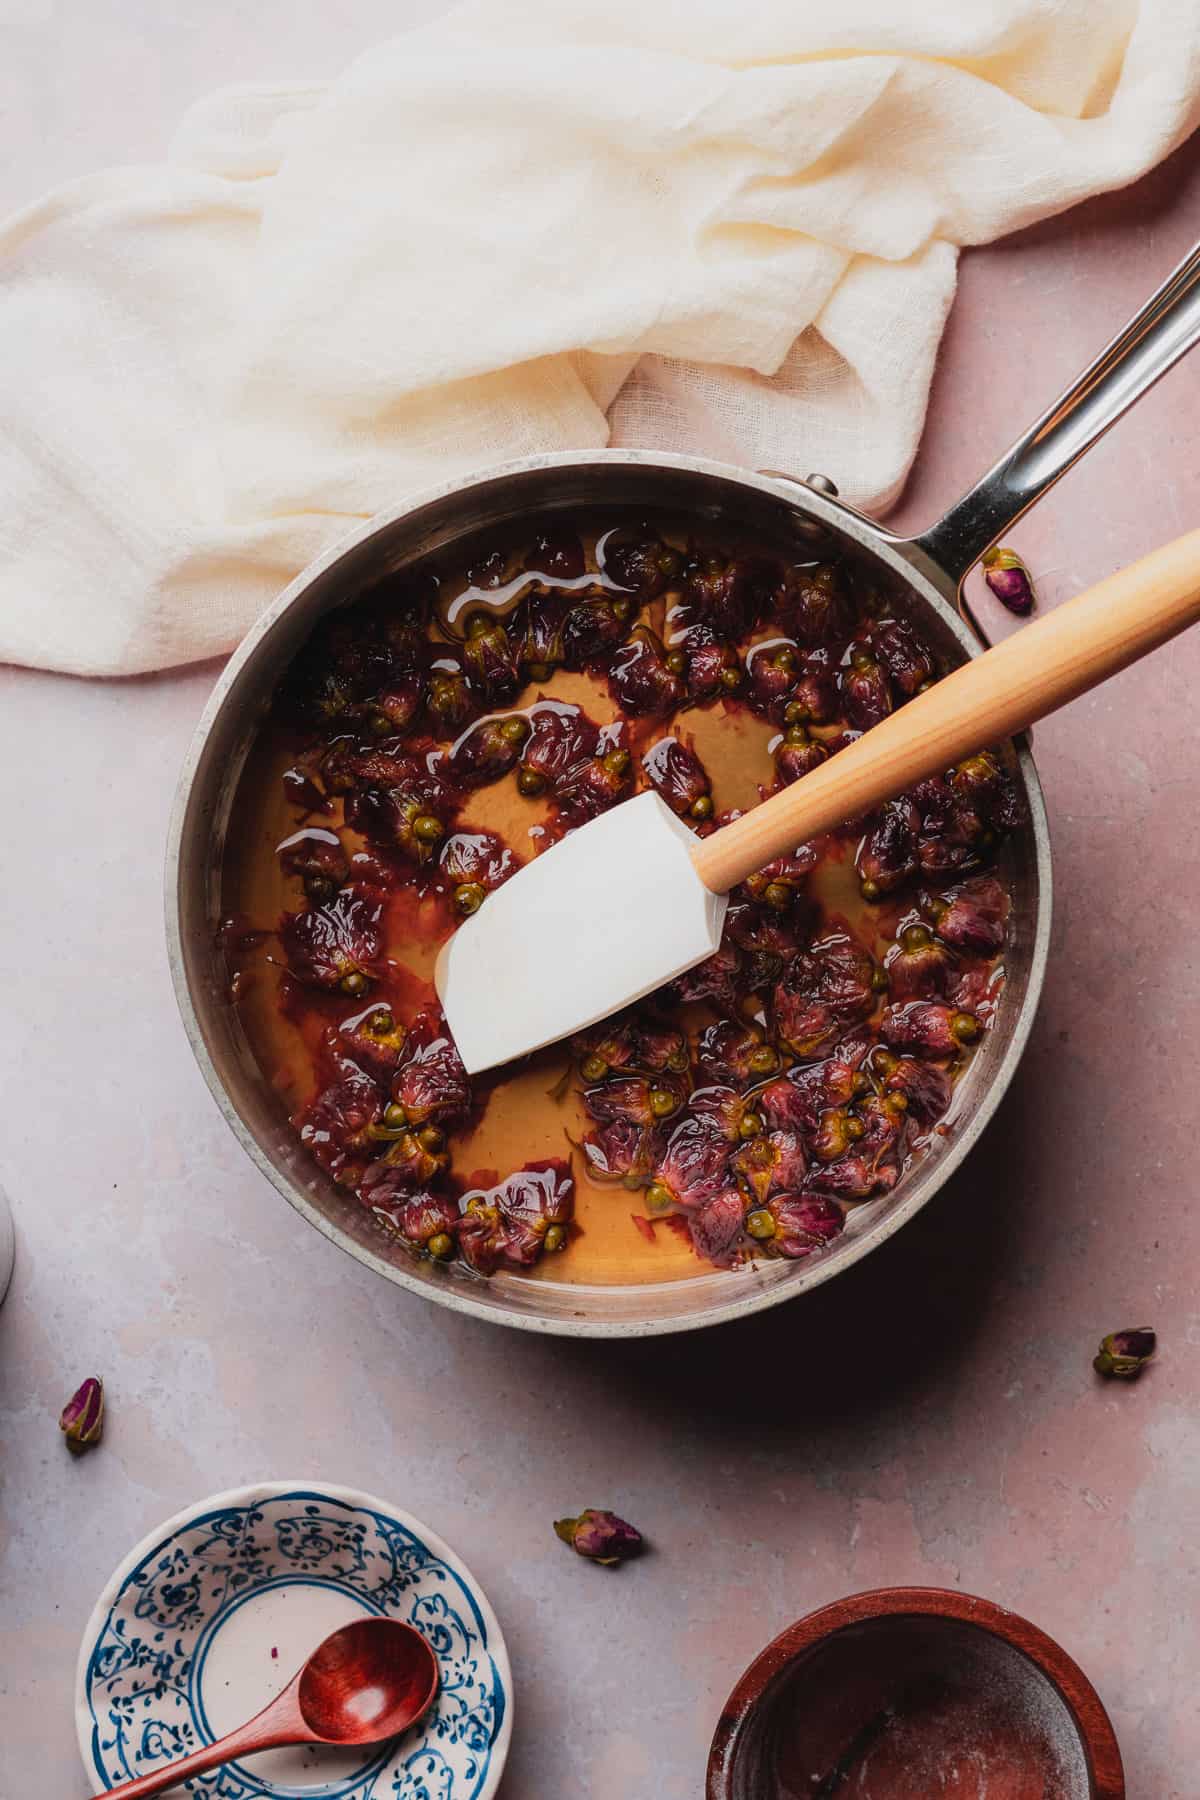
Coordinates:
(1009,580)
(600,1536)
(82,1418)
(1124,1354)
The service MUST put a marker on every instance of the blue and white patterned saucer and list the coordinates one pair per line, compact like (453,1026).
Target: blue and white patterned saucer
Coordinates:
(213,1614)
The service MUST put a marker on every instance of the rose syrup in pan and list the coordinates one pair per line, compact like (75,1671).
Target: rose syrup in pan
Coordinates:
(534,1112)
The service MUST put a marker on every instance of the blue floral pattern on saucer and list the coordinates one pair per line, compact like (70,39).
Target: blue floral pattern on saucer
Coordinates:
(140,1693)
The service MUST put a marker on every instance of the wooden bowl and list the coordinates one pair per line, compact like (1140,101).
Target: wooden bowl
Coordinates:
(912,1691)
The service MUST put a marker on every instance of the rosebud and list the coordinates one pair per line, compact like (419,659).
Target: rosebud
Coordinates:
(676,772)
(82,1418)
(641,679)
(797,755)
(490,660)
(865,691)
(1124,1354)
(600,1536)
(448,699)
(1009,580)
(917,967)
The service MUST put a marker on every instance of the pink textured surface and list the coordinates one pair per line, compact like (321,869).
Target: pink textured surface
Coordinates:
(930,1418)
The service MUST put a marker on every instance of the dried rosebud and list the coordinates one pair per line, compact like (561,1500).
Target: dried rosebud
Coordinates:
(487,751)
(887,854)
(82,1418)
(1124,1354)
(771,670)
(561,741)
(694,1165)
(801,1224)
(599,783)
(428,1224)
(917,968)
(645,1100)
(539,632)
(927,1088)
(491,662)
(768,931)
(1009,579)
(711,666)
(591,631)
(475,859)
(733,1054)
(735,1116)
(831,984)
(371,1040)
(317,856)
(797,754)
(770,1164)
(520,1219)
(814,699)
(336,945)
(448,699)
(607,1047)
(676,772)
(865,691)
(814,608)
(779,883)
(797,1100)
(337,1125)
(927,1028)
(397,703)
(885,1129)
(397,819)
(908,663)
(971,916)
(661,1046)
(642,683)
(637,561)
(343,763)
(730,594)
(834,1133)
(951,829)
(600,1536)
(716,1228)
(431,1083)
(984,787)
(717,979)
(408,1164)
(623,1151)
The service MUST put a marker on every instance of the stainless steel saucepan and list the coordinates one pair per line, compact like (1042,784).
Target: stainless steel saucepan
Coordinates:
(921,576)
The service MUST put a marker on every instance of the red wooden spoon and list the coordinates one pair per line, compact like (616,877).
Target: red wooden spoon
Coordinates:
(369,1681)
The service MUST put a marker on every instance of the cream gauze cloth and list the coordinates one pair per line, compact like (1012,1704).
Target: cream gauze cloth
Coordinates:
(721,225)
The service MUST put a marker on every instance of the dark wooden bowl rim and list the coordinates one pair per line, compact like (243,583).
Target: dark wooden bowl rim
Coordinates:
(1096,1734)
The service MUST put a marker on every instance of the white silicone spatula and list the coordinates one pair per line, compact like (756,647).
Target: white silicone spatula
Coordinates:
(632,899)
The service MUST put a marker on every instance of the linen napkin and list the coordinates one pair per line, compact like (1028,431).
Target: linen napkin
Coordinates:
(531,225)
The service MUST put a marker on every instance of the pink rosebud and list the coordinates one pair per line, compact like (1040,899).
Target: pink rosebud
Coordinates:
(600,1536)
(82,1418)
(1009,580)
(1124,1354)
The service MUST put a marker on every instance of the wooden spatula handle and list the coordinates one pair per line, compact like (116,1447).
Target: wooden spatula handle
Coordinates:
(1030,674)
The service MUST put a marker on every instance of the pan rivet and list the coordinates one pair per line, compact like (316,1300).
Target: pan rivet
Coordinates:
(822,484)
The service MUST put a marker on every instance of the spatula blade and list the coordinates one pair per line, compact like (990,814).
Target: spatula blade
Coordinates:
(600,920)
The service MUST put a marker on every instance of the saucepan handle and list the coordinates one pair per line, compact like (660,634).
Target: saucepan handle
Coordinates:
(1163,331)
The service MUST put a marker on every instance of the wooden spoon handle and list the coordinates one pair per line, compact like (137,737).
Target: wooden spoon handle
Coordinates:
(1074,648)
(272,1728)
